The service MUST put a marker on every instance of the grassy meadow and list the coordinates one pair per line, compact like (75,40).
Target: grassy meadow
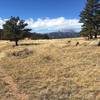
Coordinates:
(50,70)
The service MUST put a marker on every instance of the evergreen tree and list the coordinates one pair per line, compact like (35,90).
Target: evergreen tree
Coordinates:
(15,29)
(89,18)
(97,18)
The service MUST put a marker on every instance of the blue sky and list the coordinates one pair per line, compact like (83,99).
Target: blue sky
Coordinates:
(40,11)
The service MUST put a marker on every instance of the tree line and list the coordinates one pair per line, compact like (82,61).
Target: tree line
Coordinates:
(90,17)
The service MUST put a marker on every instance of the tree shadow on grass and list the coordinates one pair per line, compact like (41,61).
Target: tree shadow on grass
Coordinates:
(28,44)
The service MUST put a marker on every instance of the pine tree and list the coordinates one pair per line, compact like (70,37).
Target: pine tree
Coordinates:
(89,19)
(15,29)
(97,18)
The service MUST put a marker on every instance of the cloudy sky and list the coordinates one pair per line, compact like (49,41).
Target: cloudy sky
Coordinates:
(44,15)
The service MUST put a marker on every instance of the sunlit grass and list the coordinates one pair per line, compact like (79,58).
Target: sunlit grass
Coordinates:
(56,70)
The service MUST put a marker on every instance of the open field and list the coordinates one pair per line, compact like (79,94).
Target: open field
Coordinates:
(50,70)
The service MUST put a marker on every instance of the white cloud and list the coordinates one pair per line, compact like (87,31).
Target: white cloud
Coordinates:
(48,25)
(55,24)
(2,21)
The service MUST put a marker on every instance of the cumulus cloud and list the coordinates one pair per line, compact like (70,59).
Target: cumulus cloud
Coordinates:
(55,24)
(49,25)
(2,21)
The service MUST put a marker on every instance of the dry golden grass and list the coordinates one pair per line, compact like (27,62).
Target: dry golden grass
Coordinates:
(55,70)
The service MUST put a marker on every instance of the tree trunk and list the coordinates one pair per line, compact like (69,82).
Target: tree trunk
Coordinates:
(16,42)
(91,36)
(95,35)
